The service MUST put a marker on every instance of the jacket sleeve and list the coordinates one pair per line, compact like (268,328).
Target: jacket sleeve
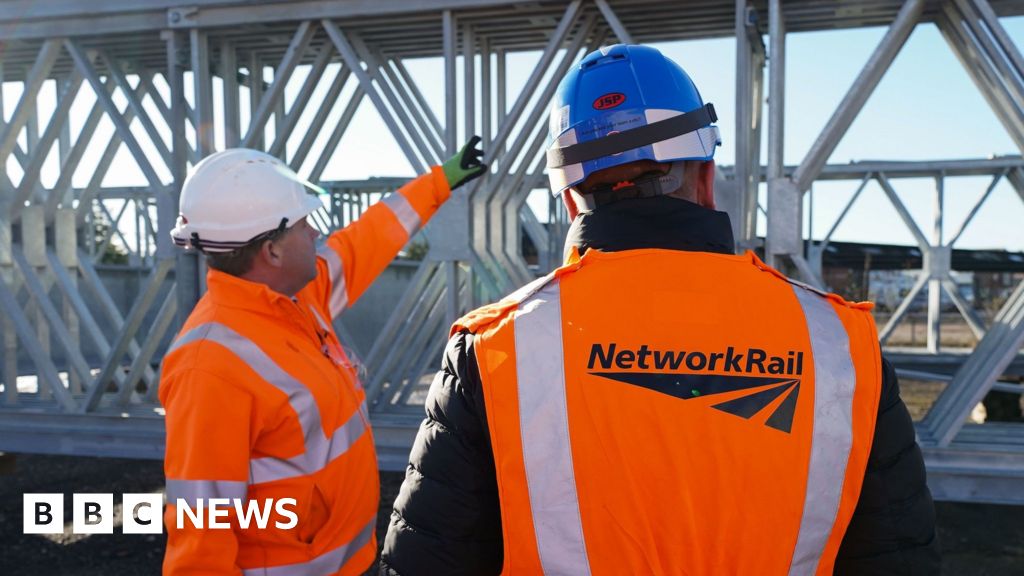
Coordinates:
(208,445)
(893,527)
(351,258)
(446,519)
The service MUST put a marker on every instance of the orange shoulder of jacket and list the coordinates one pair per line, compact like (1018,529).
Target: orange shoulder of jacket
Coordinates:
(477,320)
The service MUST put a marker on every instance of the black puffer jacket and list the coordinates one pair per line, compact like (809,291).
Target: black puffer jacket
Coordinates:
(446,518)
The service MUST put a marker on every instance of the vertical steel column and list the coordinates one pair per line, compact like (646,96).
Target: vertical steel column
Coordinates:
(485,90)
(66,247)
(469,79)
(255,97)
(785,201)
(10,337)
(501,103)
(935,281)
(186,262)
(33,245)
(205,129)
(776,92)
(206,137)
(229,74)
(451,136)
(747,105)
(451,144)
(64,138)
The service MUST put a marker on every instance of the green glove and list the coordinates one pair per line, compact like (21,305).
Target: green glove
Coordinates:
(466,165)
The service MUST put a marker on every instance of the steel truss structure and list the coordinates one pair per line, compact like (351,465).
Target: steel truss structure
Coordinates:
(237,58)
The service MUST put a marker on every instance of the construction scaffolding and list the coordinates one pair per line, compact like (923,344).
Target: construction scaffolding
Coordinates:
(177,78)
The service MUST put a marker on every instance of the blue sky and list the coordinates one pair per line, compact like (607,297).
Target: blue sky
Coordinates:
(926,107)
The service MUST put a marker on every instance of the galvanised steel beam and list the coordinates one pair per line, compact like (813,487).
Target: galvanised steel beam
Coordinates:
(141,363)
(26,107)
(47,374)
(282,74)
(330,98)
(120,124)
(61,191)
(339,130)
(316,72)
(41,297)
(58,121)
(146,80)
(979,68)
(425,109)
(901,209)
(398,323)
(131,327)
(427,152)
(352,61)
(203,89)
(750,57)
(613,21)
(135,103)
(878,63)
(979,372)
(411,100)
(70,291)
(229,77)
(505,273)
(1006,65)
(914,168)
(977,206)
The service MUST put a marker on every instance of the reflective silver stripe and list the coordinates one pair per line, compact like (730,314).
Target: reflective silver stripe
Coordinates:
(320,450)
(404,211)
(192,490)
(336,271)
(529,289)
(544,425)
(832,435)
(320,320)
(327,563)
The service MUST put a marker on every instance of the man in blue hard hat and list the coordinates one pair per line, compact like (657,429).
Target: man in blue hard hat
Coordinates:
(659,405)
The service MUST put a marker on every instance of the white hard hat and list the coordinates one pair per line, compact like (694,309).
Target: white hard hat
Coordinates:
(234,196)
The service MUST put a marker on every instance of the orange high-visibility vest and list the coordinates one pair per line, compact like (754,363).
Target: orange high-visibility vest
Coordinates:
(263,405)
(667,412)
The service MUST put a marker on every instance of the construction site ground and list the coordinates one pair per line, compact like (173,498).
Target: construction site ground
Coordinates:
(977,539)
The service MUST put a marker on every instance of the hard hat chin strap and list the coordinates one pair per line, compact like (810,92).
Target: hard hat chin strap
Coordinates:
(647,186)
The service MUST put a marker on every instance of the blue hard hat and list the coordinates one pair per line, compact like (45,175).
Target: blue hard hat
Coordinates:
(625,103)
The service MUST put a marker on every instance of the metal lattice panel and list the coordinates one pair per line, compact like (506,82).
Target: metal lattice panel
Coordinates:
(95,352)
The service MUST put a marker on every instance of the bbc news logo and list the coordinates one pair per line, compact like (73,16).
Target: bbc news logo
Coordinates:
(143,513)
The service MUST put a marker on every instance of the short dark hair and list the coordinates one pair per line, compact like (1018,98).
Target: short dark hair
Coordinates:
(239,261)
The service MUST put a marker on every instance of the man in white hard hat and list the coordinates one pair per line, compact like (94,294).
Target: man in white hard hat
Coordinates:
(270,462)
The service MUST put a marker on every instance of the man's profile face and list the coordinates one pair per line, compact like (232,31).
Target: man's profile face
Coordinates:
(297,249)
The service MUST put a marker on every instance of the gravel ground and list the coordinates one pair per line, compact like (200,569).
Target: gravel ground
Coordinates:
(977,539)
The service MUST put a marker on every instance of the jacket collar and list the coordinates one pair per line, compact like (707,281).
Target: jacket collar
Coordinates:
(659,222)
(234,292)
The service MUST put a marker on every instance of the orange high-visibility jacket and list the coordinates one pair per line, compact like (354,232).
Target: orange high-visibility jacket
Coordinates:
(667,412)
(262,403)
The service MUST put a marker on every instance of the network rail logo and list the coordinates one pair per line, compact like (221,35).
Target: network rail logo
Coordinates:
(143,513)
(766,377)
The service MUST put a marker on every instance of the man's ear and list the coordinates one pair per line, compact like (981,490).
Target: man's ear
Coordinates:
(706,184)
(270,254)
(570,205)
